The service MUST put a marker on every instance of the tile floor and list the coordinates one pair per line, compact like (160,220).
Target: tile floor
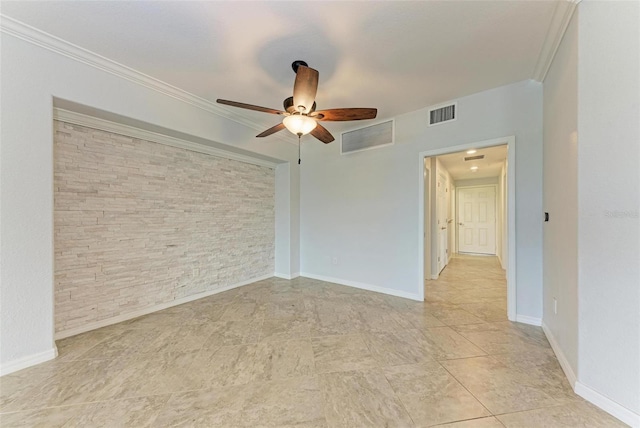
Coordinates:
(307,353)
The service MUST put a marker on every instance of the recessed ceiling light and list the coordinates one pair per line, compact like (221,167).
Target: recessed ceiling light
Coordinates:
(474,168)
(472,151)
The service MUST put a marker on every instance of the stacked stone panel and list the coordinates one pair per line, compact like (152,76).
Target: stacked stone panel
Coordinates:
(139,223)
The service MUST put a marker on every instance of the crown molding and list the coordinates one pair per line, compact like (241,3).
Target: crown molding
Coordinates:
(62,47)
(559,22)
(75,118)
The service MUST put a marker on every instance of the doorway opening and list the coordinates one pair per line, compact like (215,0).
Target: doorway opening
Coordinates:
(467,219)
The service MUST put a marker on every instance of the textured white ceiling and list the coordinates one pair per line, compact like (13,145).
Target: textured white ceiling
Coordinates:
(396,56)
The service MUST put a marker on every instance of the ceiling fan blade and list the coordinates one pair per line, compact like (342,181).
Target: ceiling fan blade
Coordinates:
(272,130)
(249,106)
(342,114)
(321,133)
(305,88)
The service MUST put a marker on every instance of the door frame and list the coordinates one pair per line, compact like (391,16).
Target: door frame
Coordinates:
(510,142)
(495,208)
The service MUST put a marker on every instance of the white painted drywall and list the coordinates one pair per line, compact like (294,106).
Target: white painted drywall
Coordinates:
(31,77)
(560,175)
(609,200)
(363,207)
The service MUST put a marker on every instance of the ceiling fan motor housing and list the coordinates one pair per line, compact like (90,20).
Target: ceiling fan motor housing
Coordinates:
(298,63)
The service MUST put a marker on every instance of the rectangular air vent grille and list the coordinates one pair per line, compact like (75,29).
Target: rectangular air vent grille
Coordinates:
(442,114)
(471,158)
(371,137)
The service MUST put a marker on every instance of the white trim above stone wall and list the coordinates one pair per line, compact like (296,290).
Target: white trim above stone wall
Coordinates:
(75,118)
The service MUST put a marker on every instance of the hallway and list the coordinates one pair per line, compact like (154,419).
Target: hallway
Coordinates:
(308,353)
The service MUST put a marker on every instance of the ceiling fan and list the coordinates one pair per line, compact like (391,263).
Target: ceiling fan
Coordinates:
(300,114)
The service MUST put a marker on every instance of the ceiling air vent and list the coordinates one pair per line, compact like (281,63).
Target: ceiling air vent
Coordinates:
(472,158)
(442,114)
(371,137)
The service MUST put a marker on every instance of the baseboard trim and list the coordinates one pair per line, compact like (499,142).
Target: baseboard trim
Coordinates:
(28,361)
(525,319)
(363,286)
(627,416)
(564,363)
(140,312)
(287,276)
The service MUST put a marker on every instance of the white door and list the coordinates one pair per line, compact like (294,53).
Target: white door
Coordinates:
(477,220)
(442,210)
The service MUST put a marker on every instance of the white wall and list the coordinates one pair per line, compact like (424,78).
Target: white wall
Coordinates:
(609,200)
(560,248)
(363,207)
(31,77)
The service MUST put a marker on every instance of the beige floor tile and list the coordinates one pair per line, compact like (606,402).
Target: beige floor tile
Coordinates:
(500,388)
(285,353)
(159,374)
(284,403)
(341,353)
(443,343)
(503,341)
(54,417)
(396,348)
(456,316)
(133,412)
(72,348)
(285,329)
(258,362)
(81,381)
(432,396)
(235,332)
(580,414)
(490,422)
(362,399)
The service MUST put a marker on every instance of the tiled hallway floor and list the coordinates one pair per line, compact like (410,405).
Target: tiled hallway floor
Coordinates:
(307,353)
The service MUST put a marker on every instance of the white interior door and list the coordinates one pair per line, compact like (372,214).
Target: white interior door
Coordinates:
(443,235)
(477,220)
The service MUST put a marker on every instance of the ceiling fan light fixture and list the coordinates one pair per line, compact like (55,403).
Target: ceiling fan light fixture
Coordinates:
(299,124)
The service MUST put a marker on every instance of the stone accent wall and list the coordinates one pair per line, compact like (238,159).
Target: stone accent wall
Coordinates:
(139,223)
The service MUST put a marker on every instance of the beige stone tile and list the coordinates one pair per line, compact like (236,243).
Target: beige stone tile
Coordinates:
(490,422)
(80,381)
(341,353)
(332,316)
(420,318)
(133,412)
(54,417)
(129,342)
(396,348)
(161,373)
(71,348)
(488,311)
(456,316)
(499,388)
(543,368)
(432,396)
(581,414)
(259,362)
(285,329)
(443,343)
(240,310)
(235,332)
(287,308)
(285,403)
(505,341)
(20,385)
(362,399)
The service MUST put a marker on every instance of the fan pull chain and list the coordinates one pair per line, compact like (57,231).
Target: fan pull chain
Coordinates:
(299,148)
